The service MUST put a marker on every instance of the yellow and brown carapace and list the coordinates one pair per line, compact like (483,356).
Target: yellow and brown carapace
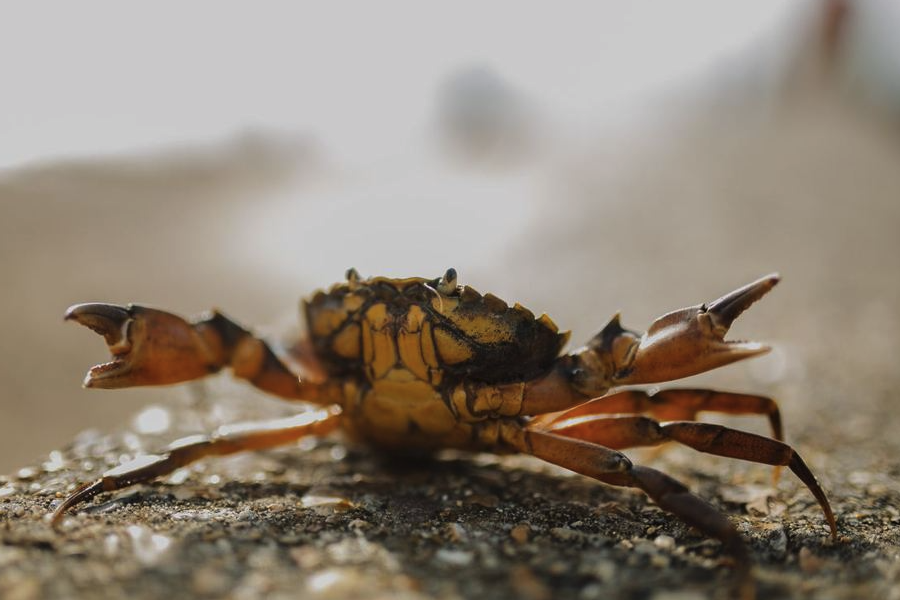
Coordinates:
(419,364)
(424,359)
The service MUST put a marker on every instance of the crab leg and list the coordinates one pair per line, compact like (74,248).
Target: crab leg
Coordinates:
(153,347)
(672,405)
(632,431)
(228,440)
(612,467)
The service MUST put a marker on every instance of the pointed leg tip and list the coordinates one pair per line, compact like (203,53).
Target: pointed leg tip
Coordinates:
(82,494)
(56,519)
(832,524)
(770,280)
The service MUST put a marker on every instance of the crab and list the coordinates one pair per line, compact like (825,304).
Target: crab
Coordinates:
(415,365)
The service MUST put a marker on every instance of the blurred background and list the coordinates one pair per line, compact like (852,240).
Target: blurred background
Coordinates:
(584,159)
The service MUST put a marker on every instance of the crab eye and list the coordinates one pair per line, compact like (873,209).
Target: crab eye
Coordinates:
(447,283)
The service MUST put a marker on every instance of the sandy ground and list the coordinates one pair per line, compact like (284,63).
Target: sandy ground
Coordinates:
(814,192)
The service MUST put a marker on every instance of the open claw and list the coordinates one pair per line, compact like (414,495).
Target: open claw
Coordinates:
(113,323)
(679,344)
(148,346)
(692,340)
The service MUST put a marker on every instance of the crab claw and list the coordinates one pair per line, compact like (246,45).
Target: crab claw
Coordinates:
(692,340)
(148,346)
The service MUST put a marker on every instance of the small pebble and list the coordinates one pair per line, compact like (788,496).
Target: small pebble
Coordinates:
(665,542)
(209,581)
(24,588)
(564,534)
(527,585)
(10,555)
(26,474)
(776,537)
(149,548)
(359,524)
(246,515)
(809,562)
(485,500)
(306,558)
(455,532)
(558,568)
(458,558)
(520,533)
(645,547)
(604,569)
(660,561)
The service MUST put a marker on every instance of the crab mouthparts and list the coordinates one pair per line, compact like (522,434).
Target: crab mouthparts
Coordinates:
(113,323)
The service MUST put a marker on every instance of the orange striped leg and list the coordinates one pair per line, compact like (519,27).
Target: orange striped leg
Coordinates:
(634,431)
(613,467)
(674,405)
(228,440)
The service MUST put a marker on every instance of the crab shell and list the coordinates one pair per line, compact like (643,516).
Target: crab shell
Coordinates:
(416,328)
(412,352)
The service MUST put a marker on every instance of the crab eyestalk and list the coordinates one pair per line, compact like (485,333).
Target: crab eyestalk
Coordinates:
(679,344)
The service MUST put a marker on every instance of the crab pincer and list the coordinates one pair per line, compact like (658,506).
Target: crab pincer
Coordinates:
(692,340)
(148,346)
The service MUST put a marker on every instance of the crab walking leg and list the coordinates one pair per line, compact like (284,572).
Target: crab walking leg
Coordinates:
(228,440)
(154,347)
(633,431)
(672,405)
(613,467)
